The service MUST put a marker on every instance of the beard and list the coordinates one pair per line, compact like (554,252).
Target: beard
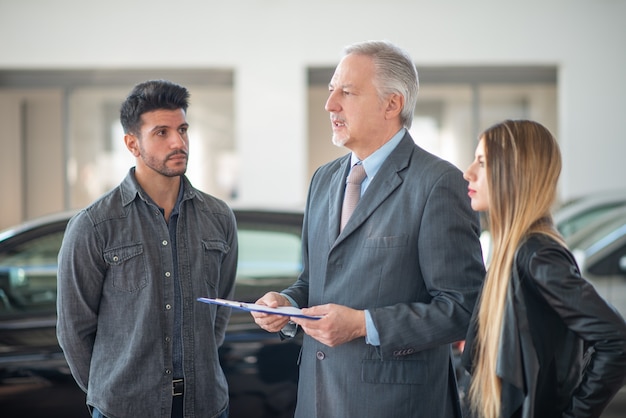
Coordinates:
(340,140)
(340,137)
(162,167)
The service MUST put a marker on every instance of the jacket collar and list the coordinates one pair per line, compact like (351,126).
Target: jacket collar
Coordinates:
(130,189)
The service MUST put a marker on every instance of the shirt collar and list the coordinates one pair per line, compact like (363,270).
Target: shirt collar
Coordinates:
(373,163)
(131,189)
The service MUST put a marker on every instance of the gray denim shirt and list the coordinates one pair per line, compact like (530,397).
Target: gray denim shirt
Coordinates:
(116,296)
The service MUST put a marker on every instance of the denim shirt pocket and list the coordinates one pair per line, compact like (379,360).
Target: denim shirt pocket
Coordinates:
(214,251)
(127,267)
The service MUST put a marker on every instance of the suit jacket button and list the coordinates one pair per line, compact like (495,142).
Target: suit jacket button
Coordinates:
(320,355)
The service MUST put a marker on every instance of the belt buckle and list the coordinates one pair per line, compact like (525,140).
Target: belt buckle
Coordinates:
(178,387)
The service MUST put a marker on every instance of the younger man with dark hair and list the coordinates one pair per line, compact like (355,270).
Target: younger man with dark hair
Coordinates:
(131,267)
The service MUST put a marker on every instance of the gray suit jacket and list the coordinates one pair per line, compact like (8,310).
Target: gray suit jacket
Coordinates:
(410,254)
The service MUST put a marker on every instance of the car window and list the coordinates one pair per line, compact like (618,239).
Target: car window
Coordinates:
(267,254)
(269,260)
(613,263)
(28,275)
(575,223)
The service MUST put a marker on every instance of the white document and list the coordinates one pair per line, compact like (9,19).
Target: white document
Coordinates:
(253,307)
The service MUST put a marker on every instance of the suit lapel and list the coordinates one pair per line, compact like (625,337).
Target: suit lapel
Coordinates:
(335,198)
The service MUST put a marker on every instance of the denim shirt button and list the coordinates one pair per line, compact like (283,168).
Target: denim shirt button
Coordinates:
(168,306)
(168,371)
(116,258)
(168,274)
(164,242)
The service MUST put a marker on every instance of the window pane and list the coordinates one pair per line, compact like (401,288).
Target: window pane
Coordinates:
(511,101)
(442,123)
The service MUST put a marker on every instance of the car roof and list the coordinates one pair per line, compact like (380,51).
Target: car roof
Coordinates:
(245,215)
(36,222)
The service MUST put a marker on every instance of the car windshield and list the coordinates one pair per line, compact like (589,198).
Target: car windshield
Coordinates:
(601,232)
(28,275)
(266,254)
(575,223)
(270,259)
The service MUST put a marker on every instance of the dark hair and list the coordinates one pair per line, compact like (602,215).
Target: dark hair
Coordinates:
(148,96)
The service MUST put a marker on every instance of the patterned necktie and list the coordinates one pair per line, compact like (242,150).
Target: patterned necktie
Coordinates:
(353,193)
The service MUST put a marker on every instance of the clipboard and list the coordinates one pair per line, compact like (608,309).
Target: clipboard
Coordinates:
(253,307)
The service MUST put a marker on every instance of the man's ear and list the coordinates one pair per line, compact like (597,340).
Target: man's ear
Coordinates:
(395,104)
(132,143)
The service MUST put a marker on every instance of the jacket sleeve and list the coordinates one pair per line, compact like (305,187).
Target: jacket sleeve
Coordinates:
(450,267)
(586,313)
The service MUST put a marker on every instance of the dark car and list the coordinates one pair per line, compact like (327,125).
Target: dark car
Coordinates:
(34,378)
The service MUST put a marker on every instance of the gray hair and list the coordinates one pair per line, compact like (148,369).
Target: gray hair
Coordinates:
(395,73)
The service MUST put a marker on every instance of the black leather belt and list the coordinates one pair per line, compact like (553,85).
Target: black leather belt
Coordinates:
(178,387)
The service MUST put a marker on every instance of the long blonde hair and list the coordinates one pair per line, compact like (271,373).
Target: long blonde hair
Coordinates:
(523,163)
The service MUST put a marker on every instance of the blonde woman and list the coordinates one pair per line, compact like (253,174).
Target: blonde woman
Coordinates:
(542,342)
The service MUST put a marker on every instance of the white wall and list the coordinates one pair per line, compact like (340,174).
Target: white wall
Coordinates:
(270,43)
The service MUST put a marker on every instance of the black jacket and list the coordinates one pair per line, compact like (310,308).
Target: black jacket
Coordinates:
(563,348)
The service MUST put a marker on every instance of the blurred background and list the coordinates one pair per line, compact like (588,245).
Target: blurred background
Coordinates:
(258,72)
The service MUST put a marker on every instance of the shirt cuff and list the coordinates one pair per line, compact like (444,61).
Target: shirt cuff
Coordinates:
(290,299)
(372,336)
(290,330)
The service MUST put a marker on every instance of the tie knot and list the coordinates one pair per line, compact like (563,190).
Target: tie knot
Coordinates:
(357,174)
